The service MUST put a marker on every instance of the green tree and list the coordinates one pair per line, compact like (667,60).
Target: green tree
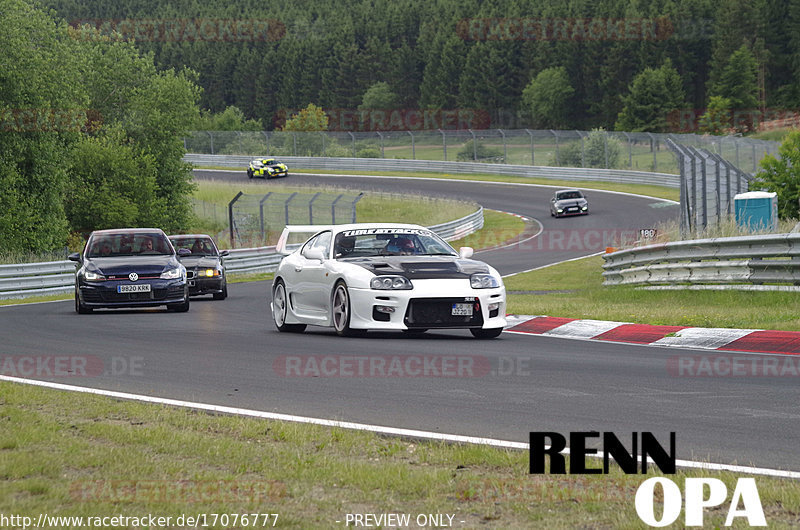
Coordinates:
(598,147)
(738,83)
(781,174)
(378,96)
(231,119)
(717,118)
(653,94)
(547,97)
(310,119)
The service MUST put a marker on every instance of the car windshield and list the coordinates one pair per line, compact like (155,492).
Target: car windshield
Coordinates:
(199,246)
(569,195)
(126,244)
(369,242)
(271,162)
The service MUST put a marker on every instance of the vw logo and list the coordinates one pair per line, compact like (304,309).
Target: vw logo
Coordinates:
(133,276)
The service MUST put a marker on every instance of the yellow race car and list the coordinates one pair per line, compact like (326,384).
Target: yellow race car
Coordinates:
(267,168)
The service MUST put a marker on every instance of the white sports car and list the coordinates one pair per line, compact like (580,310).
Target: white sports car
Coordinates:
(360,277)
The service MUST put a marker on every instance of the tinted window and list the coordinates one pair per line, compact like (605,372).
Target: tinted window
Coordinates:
(389,242)
(126,244)
(199,246)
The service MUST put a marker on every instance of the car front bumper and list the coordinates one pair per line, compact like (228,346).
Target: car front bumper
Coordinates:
(429,305)
(205,285)
(104,294)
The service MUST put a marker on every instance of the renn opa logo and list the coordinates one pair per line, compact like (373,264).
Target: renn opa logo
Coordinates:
(644,448)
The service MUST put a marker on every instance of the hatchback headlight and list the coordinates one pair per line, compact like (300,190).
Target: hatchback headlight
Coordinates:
(384,283)
(172,274)
(93,276)
(483,281)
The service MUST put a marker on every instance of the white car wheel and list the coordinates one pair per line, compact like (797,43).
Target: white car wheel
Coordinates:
(280,308)
(340,309)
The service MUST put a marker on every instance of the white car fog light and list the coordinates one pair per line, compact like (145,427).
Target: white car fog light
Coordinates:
(384,309)
(493,306)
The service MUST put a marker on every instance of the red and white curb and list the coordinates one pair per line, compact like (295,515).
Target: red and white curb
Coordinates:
(741,340)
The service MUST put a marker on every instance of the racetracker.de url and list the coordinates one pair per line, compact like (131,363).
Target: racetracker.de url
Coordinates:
(199,520)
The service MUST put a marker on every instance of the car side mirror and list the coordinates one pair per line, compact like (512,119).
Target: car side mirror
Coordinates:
(314,253)
(466,252)
(184,252)
(75,256)
(223,253)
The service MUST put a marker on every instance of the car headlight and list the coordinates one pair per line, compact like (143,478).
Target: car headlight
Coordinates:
(209,272)
(93,276)
(172,274)
(483,281)
(384,283)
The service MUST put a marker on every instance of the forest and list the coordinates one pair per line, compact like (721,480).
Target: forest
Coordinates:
(612,63)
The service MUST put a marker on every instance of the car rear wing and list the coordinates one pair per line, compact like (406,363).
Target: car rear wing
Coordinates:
(285,246)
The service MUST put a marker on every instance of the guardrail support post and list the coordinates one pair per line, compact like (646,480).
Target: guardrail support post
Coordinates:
(212,141)
(630,150)
(230,218)
(353,137)
(413,149)
(558,161)
(294,142)
(444,145)
(266,140)
(505,147)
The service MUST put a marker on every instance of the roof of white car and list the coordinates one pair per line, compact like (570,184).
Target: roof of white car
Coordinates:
(350,226)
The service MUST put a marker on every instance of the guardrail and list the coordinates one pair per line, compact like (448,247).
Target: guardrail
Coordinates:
(58,277)
(763,262)
(466,168)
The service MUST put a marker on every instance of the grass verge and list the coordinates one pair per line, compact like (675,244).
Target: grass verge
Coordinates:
(71,454)
(589,299)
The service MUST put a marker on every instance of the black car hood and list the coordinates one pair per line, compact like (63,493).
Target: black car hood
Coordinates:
(146,265)
(201,262)
(420,267)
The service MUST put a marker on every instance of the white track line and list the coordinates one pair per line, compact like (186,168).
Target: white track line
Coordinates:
(392,431)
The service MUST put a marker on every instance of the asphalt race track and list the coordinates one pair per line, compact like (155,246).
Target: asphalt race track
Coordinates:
(229,353)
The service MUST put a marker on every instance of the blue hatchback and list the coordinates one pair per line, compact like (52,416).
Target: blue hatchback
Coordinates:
(132,267)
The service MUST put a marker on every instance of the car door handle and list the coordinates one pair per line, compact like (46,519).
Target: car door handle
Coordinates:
(298,269)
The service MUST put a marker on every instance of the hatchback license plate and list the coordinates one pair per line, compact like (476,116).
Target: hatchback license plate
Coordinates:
(138,288)
(461,310)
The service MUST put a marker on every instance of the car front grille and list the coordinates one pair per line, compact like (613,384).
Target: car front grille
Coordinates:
(437,312)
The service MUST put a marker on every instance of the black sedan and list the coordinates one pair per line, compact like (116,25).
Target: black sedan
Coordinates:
(568,202)
(204,267)
(132,267)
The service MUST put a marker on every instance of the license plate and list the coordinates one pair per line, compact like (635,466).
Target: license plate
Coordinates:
(461,310)
(138,288)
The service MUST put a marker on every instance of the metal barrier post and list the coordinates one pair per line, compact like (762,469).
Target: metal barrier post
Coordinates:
(380,134)
(333,208)
(353,137)
(474,146)
(311,208)
(353,206)
(505,147)
(230,218)
(558,162)
(286,206)
(444,145)
(261,214)
(212,141)
(413,149)
(531,135)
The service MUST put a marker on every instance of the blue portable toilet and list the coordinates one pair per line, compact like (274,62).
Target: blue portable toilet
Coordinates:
(757,210)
